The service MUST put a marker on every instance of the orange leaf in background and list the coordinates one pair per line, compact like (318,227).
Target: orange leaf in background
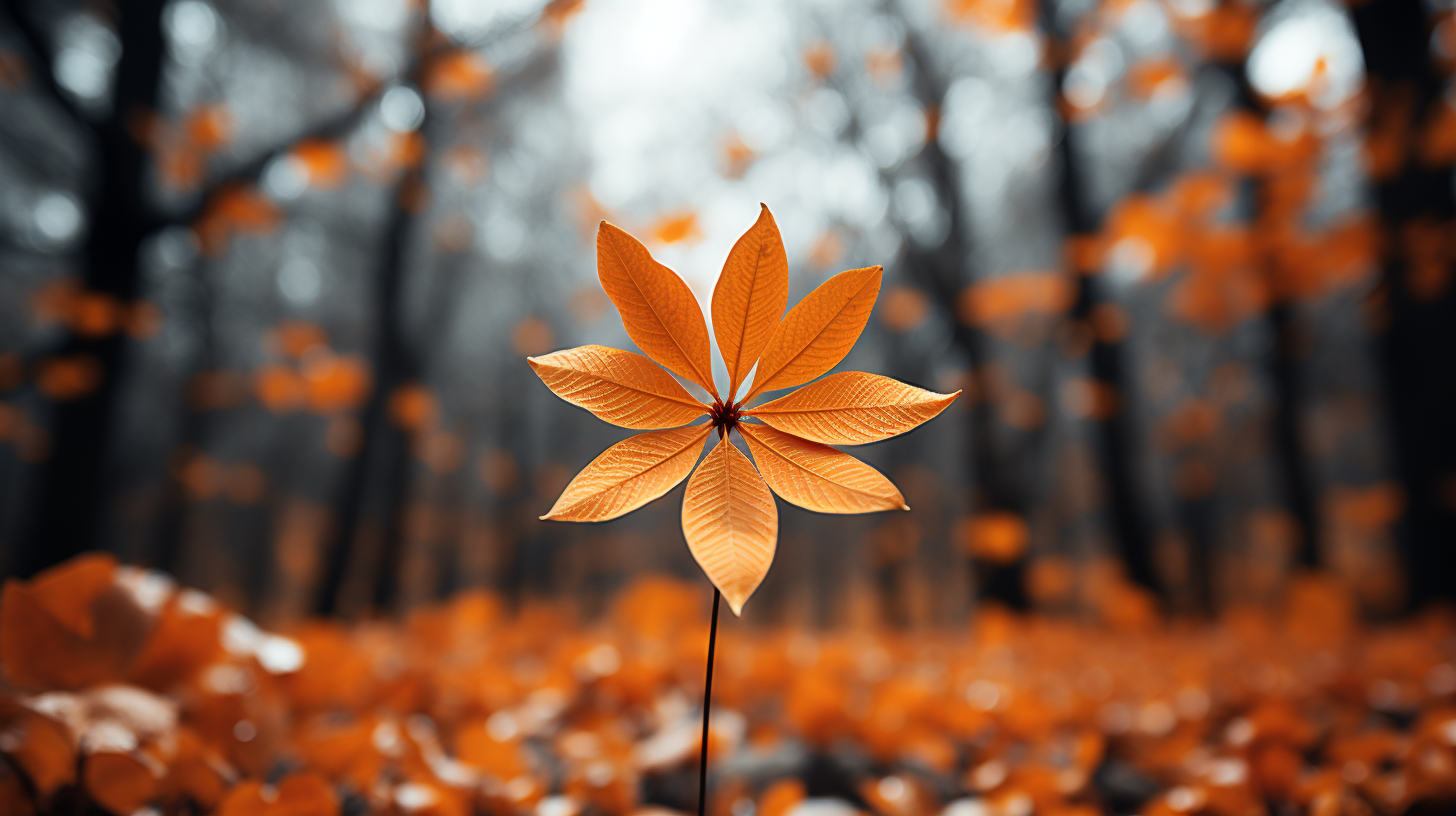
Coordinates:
(40,746)
(412,407)
(459,76)
(120,782)
(294,337)
(208,127)
(904,308)
(729,517)
(819,59)
(279,388)
(852,408)
(817,477)
(95,314)
(185,641)
(234,210)
(336,383)
(532,336)
(40,650)
(998,536)
(1146,77)
(658,309)
(630,474)
(66,592)
(327,163)
(1438,141)
(196,772)
(672,229)
(998,303)
(14,70)
(1222,33)
(560,12)
(996,16)
(14,799)
(299,794)
(67,378)
(750,297)
(1143,239)
(731,523)
(620,387)
(819,331)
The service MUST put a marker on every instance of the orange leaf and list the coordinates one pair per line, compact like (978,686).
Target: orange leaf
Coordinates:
(817,333)
(731,523)
(39,651)
(750,297)
(674,228)
(39,746)
(852,408)
(119,782)
(459,76)
(622,388)
(817,477)
(630,474)
(659,311)
(299,794)
(66,591)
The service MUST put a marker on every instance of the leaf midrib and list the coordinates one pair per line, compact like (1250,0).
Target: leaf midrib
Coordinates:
(705,381)
(807,343)
(762,440)
(690,402)
(639,474)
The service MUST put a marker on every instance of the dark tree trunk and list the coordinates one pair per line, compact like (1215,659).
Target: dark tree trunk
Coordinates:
(1114,438)
(66,516)
(380,468)
(1419,334)
(941,271)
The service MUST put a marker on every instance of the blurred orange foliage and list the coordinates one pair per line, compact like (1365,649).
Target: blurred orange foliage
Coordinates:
(127,692)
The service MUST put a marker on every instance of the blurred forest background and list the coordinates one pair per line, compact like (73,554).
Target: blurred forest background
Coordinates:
(270,271)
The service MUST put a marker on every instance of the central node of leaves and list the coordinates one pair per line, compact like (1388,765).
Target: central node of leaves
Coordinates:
(725,416)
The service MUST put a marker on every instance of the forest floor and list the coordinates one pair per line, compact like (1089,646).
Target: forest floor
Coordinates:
(126,694)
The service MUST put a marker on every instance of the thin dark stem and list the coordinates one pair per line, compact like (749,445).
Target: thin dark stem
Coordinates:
(707,706)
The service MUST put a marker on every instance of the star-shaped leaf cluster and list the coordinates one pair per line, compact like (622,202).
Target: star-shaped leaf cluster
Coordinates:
(728,516)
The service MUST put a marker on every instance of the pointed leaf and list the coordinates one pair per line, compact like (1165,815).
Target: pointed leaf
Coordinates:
(817,477)
(630,474)
(661,315)
(750,297)
(621,387)
(852,408)
(817,333)
(731,523)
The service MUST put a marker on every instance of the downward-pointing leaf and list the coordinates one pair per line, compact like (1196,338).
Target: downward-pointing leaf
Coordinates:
(630,474)
(817,477)
(661,315)
(852,408)
(750,297)
(621,387)
(817,333)
(731,523)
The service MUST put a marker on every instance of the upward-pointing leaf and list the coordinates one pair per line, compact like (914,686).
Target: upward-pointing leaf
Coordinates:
(817,333)
(731,523)
(817,477)
(852,408)
(621,387)
(750,297)
(659,311)
(630,474)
